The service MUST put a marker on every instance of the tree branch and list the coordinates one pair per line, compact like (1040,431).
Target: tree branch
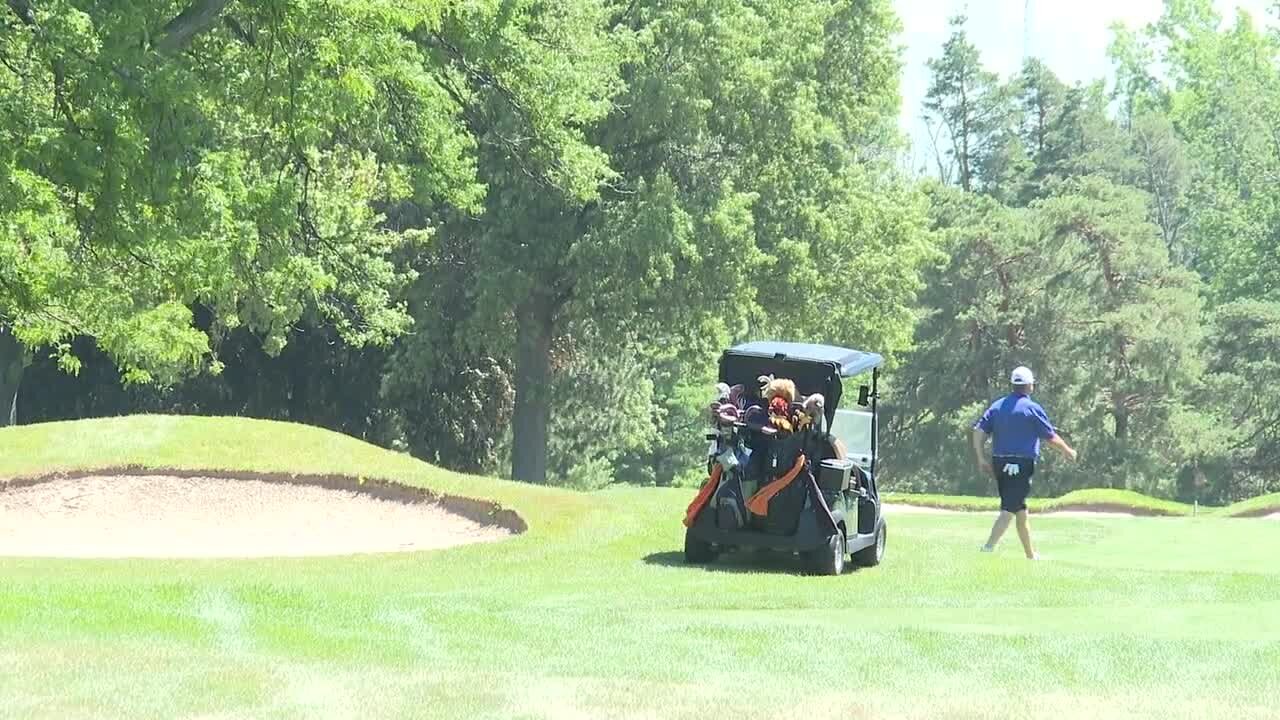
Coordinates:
(180,31)
(249,37)
(12,68)
(22,9)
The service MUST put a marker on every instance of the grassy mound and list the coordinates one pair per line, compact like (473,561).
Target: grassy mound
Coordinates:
(1091,500)
(226,446)
(1123,501)
(958,503)
(1260,506)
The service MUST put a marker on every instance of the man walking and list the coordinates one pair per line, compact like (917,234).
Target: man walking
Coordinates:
(1017,425)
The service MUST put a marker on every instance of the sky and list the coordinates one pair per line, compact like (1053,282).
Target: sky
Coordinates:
(1071,36)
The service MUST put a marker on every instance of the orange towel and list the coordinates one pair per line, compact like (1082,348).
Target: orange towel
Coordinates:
(703,496)
(759,503)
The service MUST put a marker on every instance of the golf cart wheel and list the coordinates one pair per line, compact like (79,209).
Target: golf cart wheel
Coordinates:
(873,554)
(829,559)
(697,551)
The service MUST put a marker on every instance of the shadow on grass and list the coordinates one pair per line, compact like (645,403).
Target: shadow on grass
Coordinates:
(743,562)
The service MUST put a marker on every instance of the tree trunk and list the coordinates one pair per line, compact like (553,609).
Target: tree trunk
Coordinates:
(195,19)
(535,326)
(1121,416)
(13,360)
(965,169)
(663,474)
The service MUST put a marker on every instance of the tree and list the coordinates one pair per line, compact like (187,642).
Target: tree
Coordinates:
(743,140)
(978,303)
(1164,172)
(13,360)
(1137,91)
(1242,448)
(682,372)
(841,237)
(1042,98)
(531,80)
(145,174)
(1079,286)
(1084,140)
(276,219)
(448,384)
(601,413)
(1146,330)
(315,379)
(1225,98)
(1162,167)
(970,103)
(1083,274)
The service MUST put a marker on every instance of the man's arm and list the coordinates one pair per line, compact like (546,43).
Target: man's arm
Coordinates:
(979,449)
(1050,434)
(1057,442)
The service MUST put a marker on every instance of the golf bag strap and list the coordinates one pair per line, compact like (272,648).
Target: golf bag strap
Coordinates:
(704,495)
(759,503)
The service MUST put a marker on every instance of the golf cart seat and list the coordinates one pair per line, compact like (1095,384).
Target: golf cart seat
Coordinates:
(828,447)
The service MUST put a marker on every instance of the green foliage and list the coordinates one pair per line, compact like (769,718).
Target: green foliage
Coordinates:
(512,193)
(1244,360)
(743,142)
(1080,287)
(973,107)
(1226,97)
(1136,89)
(448,384)
(1112,271)
(683,371)
(1163,171)
(601,411)
(154,161)
(520,233)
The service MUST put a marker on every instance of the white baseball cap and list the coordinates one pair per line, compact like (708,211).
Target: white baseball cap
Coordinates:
(1022,376)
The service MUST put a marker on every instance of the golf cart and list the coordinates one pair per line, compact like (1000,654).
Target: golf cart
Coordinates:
(790,470)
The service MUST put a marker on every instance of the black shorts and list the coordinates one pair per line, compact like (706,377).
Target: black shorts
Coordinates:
(1014,486)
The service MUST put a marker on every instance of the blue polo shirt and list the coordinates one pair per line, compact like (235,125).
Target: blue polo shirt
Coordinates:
(1018,424)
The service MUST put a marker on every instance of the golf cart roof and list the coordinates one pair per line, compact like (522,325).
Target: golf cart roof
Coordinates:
(849,362)
(813,368)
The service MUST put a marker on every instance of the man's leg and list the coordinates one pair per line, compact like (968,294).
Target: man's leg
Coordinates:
(997,530)
(1024,534)
(1005,517)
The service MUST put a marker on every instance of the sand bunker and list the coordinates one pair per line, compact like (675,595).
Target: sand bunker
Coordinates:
(171,517)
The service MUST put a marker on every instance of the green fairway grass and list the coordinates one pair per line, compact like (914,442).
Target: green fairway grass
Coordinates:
(591,613)
(1101,499)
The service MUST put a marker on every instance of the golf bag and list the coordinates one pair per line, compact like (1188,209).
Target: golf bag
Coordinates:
(778,457)
(730,503)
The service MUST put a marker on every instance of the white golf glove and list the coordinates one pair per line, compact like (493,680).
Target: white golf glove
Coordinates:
(1011,469)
